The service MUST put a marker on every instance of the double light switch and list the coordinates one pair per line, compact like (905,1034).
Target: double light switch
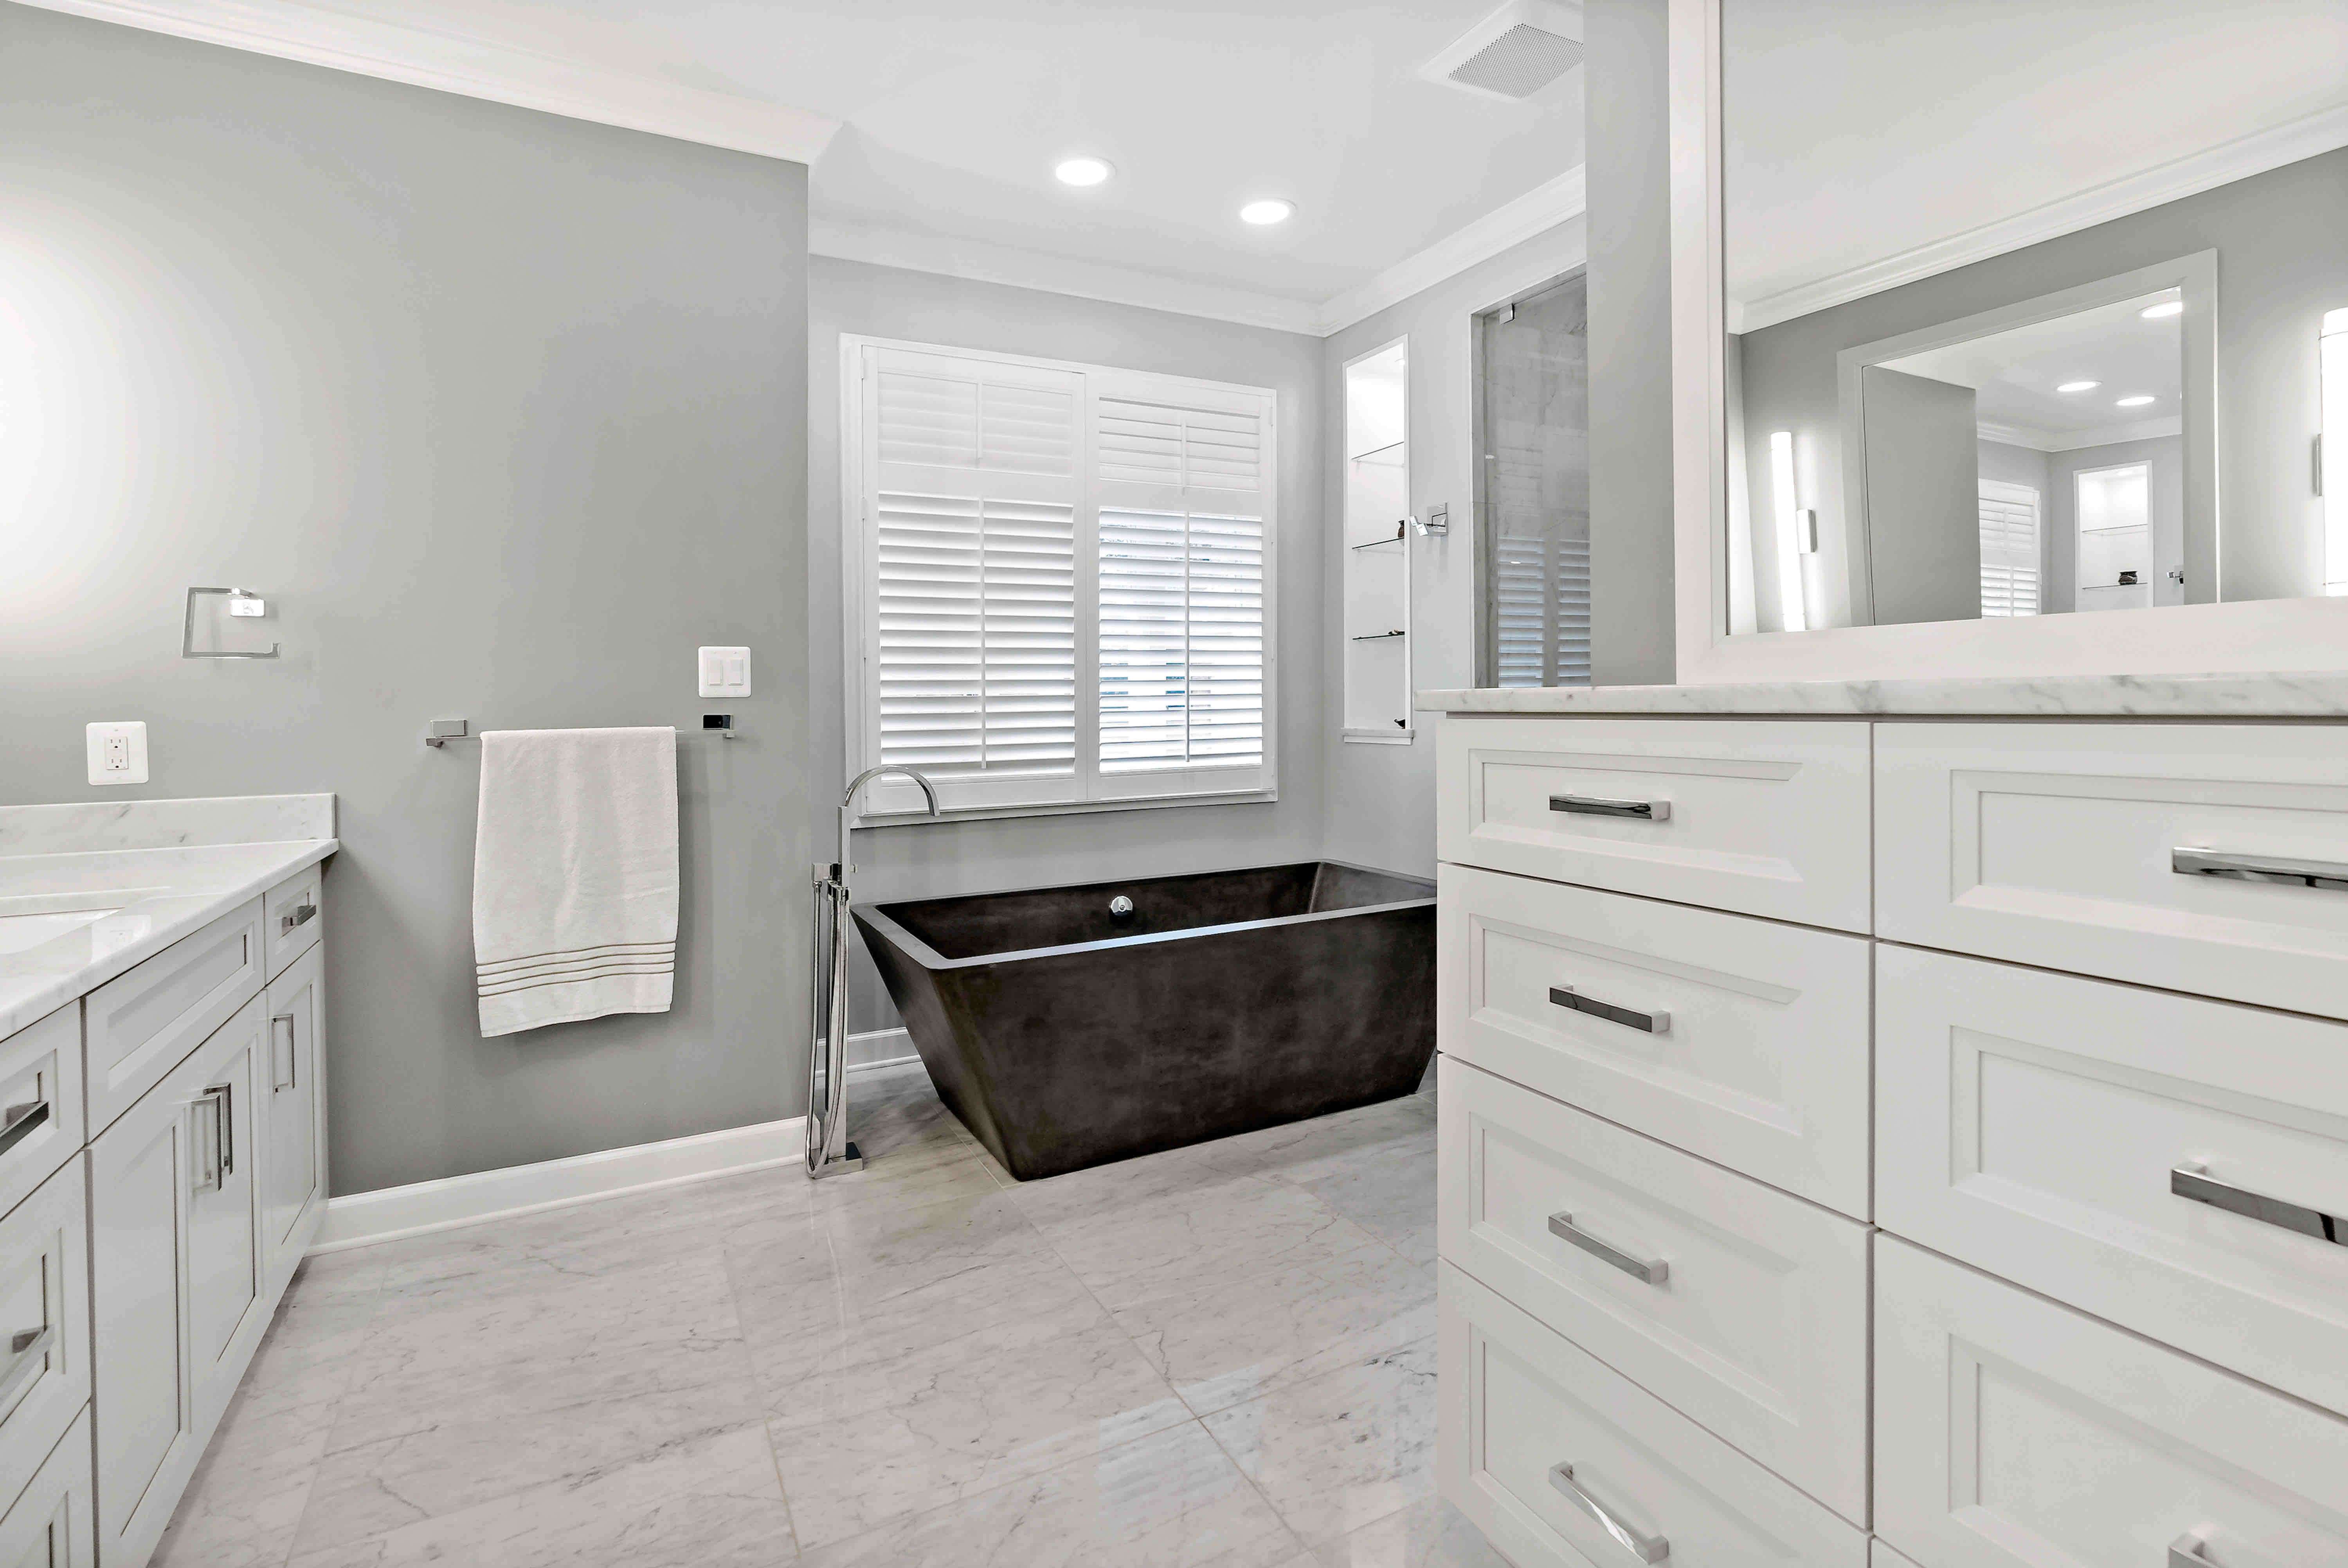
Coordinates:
(725,671)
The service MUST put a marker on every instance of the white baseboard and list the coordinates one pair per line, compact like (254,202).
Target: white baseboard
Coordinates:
(880,1047)
(391,1213)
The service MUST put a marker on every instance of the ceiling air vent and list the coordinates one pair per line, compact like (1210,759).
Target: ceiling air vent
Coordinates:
(1513,53)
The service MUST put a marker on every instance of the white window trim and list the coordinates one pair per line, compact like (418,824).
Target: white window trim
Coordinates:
(859,609)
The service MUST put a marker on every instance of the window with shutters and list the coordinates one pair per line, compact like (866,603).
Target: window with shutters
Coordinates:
(1059,580)
(2009,549)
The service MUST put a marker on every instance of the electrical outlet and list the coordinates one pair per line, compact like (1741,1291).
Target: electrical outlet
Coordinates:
(725,673)
(118,752)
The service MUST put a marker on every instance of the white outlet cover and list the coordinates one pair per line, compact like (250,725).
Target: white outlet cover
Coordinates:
(725,673)
(118,752)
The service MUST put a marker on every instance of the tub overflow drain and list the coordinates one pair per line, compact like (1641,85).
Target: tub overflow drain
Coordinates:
(1120,906)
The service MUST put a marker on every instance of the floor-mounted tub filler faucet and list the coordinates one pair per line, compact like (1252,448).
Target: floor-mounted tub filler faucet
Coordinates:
(828,1151)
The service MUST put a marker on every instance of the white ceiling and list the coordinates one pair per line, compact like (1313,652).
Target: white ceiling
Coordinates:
(931,128)
(1863,137)
(2015,373)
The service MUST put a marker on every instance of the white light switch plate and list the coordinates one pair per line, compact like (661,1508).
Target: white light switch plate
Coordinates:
(118,752)
(725,671)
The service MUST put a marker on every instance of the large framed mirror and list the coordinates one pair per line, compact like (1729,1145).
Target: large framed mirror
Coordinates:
(1989,316)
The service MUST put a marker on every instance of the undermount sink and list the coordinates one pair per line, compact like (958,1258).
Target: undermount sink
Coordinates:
(27,922)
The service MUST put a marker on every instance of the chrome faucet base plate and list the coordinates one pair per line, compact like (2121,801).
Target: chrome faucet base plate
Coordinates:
(851,1160)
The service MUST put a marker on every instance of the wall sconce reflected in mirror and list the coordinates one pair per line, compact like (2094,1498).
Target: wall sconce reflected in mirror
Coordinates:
(1797,532)
(2332,450)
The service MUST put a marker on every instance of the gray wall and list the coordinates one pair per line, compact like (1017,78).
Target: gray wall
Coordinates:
(908,861)
(1631,616)
(2279,266)
(502,412)
(1923,481)
(1381,799)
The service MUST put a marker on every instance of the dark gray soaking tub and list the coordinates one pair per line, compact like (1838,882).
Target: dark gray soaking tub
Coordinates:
(1065,1036)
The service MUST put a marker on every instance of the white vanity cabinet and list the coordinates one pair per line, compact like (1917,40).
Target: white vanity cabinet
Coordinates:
(2090,1303)
(154,1222)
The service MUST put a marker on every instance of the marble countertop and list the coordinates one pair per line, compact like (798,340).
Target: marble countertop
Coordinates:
(88,890)
(2279,696)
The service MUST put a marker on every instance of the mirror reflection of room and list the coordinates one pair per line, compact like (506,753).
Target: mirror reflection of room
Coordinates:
(1532,501)
(2030,359)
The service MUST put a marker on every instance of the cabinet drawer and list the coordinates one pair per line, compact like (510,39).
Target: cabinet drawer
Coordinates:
(53,1523)
(294,917)
(138,1026)
(1755,1323)
(40,1103)
(2029,1122)
(1516,1402)
(2013,1431)
(44,1324)
(1760,1062)
(2057,844)
(1763,816)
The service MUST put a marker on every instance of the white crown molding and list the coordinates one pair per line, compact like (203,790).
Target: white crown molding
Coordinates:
(2221,165)
(476,68)
(2078,440)
(388,1213)
(983,261)
(1535,211)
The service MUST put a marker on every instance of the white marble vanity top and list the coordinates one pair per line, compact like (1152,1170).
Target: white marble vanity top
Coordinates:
(88,889)
(2279,696)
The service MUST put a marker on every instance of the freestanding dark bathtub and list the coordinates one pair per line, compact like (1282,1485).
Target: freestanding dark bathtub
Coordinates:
(1064,1035)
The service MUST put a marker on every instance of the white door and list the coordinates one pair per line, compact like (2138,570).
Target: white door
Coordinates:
(292,1178)
(175,1293)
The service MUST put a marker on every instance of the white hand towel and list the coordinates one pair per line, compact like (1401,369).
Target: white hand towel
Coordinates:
(575,876)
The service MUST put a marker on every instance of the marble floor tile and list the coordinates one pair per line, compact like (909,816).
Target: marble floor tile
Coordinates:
(1430,1533)
(1172,1500)
(1224,1343)
(429,1473)
(1231,1232)
(1341,1450)
(707,1501)
(964,1417)
(922,1365)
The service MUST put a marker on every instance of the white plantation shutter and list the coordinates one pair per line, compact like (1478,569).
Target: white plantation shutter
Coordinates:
(2009,549)
(1060,594)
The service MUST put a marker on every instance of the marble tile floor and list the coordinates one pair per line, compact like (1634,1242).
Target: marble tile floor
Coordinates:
(1221,1356)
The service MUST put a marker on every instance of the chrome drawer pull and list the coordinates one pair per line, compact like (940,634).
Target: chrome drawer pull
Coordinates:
(20,1122)
(30,1348)
(2194,1181)
(292,1051)
(1598,806)
(1653,1270)
(221,1159)
(1646,1548)
(2185,1552)
(1652,1022)
(299,916)
(2332,876)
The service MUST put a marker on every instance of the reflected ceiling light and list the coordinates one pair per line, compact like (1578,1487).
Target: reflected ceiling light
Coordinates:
(1271,210)
(1083,171)
(2331,467)
(2079,386)
(1795,535)
(2165,308)
(2138,401)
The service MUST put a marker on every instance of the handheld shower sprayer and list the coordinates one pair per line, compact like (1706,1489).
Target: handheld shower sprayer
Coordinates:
(828,1151)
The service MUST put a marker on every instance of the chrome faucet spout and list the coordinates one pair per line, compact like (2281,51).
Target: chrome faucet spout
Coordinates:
(855,787)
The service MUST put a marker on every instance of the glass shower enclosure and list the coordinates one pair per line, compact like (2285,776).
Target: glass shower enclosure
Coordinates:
(1532,488)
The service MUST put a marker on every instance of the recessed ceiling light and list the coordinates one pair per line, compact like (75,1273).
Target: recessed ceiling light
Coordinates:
(2136,401)
(1083,171)
(1273,210)
(2079,386)
(2165,308)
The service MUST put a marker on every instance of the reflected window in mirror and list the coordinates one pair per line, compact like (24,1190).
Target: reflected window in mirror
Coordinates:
(1532,487)
(1997,280)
